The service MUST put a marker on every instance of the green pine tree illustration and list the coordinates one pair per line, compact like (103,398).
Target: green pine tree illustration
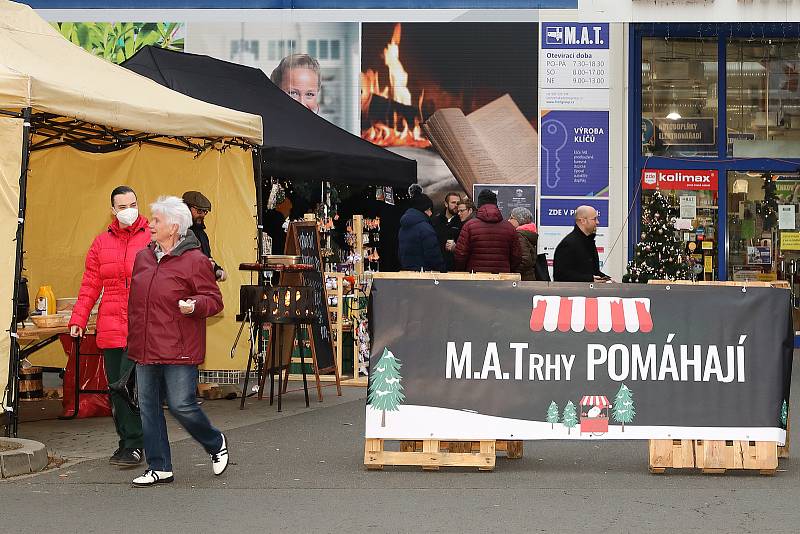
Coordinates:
(570,418)
(624,411)
(552,414)
(385,389)
(784,414)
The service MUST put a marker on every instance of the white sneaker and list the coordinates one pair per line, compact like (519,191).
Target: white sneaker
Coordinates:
(151,478)
(219,460)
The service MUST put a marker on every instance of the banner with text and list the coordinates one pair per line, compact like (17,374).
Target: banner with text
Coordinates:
(575,65)
(576,361)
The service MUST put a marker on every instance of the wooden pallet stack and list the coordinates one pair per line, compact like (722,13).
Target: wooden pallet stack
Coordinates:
(713,456)
(431,454)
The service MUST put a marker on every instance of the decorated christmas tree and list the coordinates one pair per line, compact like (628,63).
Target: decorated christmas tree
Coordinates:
(552,414)
(570,418)
(769,207)
(385,389)
(659,255)
(624,411)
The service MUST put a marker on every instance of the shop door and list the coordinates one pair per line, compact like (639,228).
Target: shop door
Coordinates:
(763,234)
(692,195)
(760,248)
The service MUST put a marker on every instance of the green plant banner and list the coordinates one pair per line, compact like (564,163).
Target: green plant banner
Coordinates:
(118,41)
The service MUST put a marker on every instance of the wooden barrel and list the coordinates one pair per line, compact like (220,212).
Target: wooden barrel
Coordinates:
(30,384)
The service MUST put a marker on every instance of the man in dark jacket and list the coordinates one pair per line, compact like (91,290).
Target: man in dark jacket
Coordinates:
(418,246)
(575,258)
(487,243)
(200,206)
(447,225)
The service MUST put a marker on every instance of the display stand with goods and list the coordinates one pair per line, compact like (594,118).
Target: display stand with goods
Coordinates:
(346,291)
(659,255)
(712,456)
(430,454)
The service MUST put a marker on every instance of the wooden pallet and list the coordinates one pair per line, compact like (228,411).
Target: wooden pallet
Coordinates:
(713,457)
(431,454)
(783,450)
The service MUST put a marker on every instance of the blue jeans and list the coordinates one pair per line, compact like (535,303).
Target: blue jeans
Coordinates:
(178,384)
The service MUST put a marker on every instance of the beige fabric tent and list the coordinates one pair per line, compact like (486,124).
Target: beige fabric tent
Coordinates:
(62,108)
(41,69)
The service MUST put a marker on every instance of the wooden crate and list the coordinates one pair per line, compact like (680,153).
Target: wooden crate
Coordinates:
(431,454)
(712,456)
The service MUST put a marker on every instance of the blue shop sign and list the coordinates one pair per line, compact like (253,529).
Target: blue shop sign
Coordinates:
(574,35)
(561,211)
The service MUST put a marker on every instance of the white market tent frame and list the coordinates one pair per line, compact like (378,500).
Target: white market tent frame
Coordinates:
(57,94)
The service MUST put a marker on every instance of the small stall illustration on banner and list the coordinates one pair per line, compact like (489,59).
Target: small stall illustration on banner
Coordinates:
(594,414)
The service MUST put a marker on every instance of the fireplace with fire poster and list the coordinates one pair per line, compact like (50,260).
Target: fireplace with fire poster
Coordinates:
(409,71)
(594,414)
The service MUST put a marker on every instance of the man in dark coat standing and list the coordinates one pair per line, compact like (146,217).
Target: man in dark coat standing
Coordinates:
(200,206)
(575,258)
(447,224)
(418,246)
(487,243)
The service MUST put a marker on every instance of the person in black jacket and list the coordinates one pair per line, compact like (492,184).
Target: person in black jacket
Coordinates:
(418,246)
(447,224)
(575,258)
(200,206)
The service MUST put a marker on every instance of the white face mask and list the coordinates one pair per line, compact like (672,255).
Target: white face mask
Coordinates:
(128,216)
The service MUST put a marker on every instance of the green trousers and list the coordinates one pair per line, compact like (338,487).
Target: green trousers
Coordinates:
(129,424)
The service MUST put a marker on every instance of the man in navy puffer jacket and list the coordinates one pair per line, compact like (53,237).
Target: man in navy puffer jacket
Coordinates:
(418,244)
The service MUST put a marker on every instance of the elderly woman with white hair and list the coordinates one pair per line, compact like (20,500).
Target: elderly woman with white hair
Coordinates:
(528,236)
(173,292)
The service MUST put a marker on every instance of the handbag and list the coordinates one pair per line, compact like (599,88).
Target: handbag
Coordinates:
(126,388)
(540,268)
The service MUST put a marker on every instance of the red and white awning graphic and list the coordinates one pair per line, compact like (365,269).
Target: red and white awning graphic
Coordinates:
(592,314)
(601,401)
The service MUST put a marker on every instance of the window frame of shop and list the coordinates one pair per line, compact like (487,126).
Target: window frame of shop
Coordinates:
(722,163)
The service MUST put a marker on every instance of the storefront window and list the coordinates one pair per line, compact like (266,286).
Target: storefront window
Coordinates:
(679,97)
(763,79)
(697,220)
(756,252)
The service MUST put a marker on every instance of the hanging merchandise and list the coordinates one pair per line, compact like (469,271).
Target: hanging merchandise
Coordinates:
(276,196)
(363,347)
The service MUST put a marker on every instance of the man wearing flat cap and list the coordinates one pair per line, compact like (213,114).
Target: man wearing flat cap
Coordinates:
(200,206)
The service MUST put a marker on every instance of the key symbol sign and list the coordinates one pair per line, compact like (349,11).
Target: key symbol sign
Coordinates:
(554,138)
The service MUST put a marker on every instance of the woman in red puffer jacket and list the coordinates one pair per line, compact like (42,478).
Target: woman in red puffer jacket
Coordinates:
(109,264)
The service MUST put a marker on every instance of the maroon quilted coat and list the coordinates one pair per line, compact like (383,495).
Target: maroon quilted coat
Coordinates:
(487,243)
(109,264)
(160,333)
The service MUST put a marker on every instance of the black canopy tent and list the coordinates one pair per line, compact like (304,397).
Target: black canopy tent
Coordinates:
(298,144)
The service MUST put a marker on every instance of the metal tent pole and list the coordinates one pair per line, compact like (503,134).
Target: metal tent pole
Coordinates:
(13,371)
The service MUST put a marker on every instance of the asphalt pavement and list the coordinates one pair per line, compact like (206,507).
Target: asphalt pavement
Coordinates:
(302,470)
